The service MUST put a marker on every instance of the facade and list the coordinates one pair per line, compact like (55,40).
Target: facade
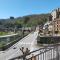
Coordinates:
(56,25)
(56,21)
(53,26)
(55,14)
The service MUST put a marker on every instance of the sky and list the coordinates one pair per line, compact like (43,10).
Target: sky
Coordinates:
(18,8)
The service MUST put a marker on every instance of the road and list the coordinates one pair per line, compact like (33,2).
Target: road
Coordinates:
(26,42)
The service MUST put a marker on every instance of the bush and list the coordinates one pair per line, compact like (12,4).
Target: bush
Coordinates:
(45,40)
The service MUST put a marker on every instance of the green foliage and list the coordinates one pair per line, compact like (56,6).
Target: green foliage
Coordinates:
(30,20)
(18,24)
(9,25)
(0,23)
(26,19)
(4,44)
(3,33)
(45,40)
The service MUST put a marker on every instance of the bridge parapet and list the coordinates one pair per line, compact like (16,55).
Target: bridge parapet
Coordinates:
(47,53)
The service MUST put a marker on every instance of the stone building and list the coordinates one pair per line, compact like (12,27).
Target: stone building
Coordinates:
(53,26)
(55,13)
(56,21)
(56,25)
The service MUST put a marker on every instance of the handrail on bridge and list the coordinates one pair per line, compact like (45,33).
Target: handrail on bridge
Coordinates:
(43,51)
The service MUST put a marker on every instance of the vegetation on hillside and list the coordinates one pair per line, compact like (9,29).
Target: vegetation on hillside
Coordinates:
(30,20)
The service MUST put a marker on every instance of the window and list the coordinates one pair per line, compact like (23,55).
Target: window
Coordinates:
(56,32)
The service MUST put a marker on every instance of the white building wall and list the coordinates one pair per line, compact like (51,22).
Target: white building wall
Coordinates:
(54,14)
(50,28)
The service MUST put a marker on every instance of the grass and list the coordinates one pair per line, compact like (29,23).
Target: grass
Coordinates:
(3,33)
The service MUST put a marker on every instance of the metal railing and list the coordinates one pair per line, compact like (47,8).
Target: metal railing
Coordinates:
(47,53)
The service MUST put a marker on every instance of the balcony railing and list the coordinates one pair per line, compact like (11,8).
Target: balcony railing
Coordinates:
(47,53)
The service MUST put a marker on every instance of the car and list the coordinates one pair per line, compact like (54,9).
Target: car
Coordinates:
(14,48)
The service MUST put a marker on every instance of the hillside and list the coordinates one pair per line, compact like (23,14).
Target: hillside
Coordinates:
(29,20)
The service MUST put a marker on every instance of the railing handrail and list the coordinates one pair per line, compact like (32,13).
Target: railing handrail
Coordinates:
(43,52)
(46,47)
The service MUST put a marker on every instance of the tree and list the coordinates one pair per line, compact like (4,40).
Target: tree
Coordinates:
(9,25)
(18,24)
(0,23)
(26,19)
